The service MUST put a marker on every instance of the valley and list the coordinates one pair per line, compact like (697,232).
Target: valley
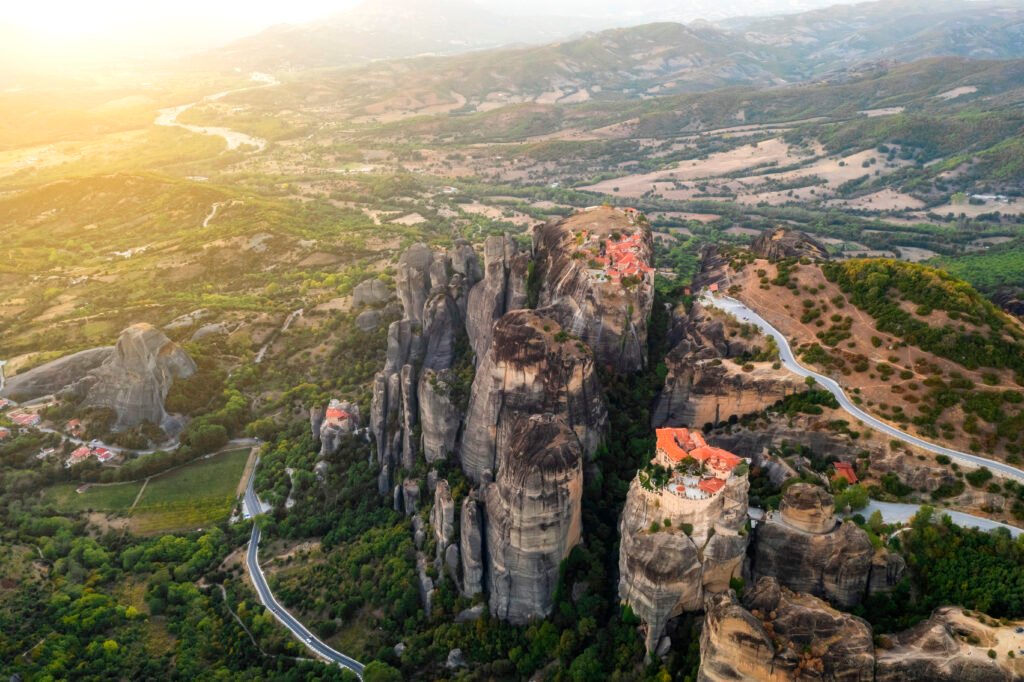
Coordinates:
(387,347)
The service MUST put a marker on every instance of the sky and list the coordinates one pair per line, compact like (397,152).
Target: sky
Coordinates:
(72,19)
(61,33)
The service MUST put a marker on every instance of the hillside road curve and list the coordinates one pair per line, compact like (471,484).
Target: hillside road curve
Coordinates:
(252,506)
(744,314)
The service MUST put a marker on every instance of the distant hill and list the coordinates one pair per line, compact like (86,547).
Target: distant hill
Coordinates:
(387,29)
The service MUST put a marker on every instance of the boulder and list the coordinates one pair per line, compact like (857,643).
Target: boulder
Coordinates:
(371,292)
(368,320)
(809,508)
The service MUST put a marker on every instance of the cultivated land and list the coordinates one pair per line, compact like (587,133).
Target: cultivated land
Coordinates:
(194,496)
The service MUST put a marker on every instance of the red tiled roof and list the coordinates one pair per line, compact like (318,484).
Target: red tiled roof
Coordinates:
(80,452)
(713,288)
(336,413)
(845,470)
(667,444)
(711,485)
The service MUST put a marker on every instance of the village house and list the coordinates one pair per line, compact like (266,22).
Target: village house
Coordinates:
(845,470)
(25,418)
(4,403)
(84,452)
(73,427)
(5,433)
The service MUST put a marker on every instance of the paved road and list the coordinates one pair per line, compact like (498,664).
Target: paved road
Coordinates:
(898,512)
(745,314)
(251,506)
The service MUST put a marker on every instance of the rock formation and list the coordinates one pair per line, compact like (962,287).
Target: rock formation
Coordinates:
(778,635)
(412,389)
(54,376)
(530,368)
(673,551)
(533,515)
(339,419)
(471,547)
(786,243)
(807,551)
(705,385)
(593,292)
(371,292)
(502,290)
(931,651)
(132,379)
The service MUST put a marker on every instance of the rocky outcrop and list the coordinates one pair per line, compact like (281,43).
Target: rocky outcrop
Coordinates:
(931,651)
(54,376)
(887,570)
(502,290)
(808,508)
(705,385)
(778,635)
(442,517)
(340,419)
(786,243)
(531,368)
(371,292)
(792,546)
(533,516)
(673,552)
(609,313)
(134,379)
(439,413)
(410,408)
(471,547)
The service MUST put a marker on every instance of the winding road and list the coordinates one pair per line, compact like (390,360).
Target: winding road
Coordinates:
(741,312)
(252,506)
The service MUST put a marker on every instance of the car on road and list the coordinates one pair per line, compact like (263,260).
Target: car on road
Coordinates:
(309,640)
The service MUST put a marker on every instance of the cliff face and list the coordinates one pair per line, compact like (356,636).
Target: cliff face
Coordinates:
(780,635)
(665,572)
(535,414)
(135,378)
(598,301)
(785,243)
(704,385)
(411,406)
(530,368)
(503,289)
(533,516)
(807,550)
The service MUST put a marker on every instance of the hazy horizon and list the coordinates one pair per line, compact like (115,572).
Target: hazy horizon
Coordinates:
(48,32)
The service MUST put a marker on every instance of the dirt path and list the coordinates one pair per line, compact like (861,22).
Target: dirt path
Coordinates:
(139,496)
(250,464)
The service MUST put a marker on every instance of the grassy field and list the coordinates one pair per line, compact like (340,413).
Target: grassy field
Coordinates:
(191,497)
(106,498)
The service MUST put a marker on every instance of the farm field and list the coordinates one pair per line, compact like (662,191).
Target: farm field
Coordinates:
(191,497)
